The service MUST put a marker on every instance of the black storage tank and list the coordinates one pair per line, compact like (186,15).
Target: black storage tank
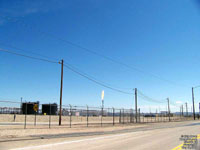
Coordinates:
(29,106)
(47,107)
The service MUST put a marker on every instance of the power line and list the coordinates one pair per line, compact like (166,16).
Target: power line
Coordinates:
(97,82)
(2,101)
(91,51)
(75,68)
(143,96)
(196,86)
(70,68)
(31,57)
(17,48)
(174,104)
(149,100)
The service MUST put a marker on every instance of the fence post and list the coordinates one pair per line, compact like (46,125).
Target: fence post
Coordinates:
(113,116)
(123,115)
(143,117)
(70,119)
(87,115)
(35,119)
(101,116)
(163,117)
(21,112)
(160,117)
(127,116)
(120,114)
(25,117)
(50,115)
(130,115)
(132,118)
(139,115)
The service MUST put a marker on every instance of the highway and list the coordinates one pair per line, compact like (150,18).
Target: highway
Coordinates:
(155,136)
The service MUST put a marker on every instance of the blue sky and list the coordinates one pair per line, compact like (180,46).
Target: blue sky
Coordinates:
(158,37)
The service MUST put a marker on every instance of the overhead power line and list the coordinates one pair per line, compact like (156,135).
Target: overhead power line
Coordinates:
(108,84)
(70,68)
(196,86)
(31,57)
(97,82)
(17,48)
(147,98)
(2,101)
(90,51)
(171,103)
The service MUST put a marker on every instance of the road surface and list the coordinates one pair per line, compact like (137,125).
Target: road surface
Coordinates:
(157,136)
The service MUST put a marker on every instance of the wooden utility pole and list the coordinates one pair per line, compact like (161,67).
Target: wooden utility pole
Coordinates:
(61,88)
(168,109)
(193,102)
(136,105)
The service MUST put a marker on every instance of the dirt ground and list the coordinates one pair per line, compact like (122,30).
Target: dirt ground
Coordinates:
(81,119)
(14,132)
(15,129)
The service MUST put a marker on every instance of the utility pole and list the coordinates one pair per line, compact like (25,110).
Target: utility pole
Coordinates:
(186,109)
(61,88)
(193,102)
(168,108)
(136,105)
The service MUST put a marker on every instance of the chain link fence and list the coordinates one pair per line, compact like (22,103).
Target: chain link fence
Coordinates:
(35,115)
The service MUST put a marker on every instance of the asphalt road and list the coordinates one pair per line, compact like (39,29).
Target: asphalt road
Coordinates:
(157,136)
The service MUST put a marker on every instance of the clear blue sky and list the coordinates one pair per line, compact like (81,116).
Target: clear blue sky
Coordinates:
(158,37)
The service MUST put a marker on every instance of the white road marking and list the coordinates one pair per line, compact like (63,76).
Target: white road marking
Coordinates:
(69,142)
